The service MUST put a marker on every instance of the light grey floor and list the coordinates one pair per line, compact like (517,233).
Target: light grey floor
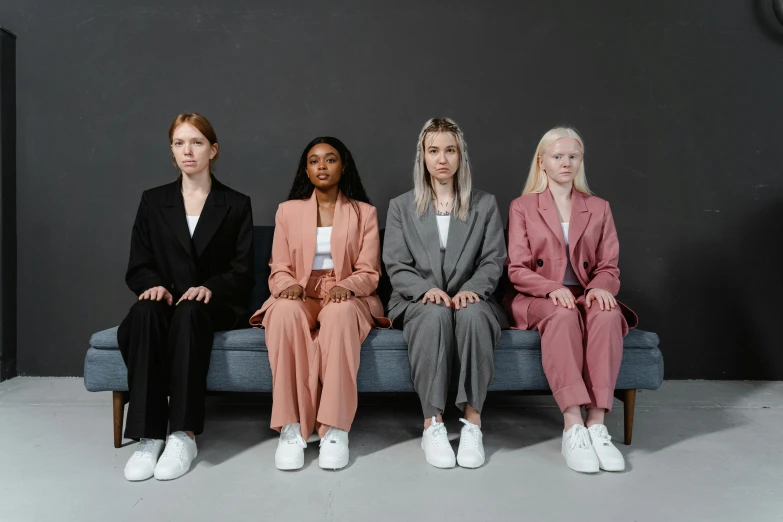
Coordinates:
(702,451)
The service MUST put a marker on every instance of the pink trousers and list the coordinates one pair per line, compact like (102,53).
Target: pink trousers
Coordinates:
(314,350)
(581,350)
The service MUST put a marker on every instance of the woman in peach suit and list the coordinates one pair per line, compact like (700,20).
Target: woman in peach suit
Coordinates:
(562,263)
(325,269)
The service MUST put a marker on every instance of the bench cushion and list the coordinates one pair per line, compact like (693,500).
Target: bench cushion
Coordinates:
(239,362)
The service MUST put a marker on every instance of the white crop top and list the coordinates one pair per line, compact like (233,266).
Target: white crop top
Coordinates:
(323,249)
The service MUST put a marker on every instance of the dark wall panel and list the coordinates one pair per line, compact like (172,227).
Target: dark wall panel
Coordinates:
(8,315)
(679,104)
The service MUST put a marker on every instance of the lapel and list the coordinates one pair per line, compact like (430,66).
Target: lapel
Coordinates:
(580,216)
(455,244)
(339,241)
(427,228)
(309,225)
(212,216)
(546,207)
(174,212)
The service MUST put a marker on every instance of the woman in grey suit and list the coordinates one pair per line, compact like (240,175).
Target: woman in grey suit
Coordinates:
(444,252)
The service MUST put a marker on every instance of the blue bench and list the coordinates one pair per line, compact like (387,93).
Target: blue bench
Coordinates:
(239,360)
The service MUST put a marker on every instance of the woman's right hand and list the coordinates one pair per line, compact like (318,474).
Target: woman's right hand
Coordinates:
(292,292)
(436,295)
(564,296)
(156,293)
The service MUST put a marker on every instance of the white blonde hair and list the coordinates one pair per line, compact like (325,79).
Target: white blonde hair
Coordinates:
(537,180)
(422,180)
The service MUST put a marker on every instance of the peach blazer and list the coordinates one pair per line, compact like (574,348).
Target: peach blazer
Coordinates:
(355,251)
(537,251)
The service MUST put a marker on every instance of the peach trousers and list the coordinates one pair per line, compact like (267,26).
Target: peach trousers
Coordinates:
(581,349)
(314,347)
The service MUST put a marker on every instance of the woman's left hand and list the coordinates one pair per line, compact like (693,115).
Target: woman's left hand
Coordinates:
(339,294)
(199,293)
(464,297)
(605,300)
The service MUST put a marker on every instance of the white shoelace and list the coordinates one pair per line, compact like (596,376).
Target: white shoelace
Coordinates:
(174,446)
(290,434)
(579,439)
(437,433)
(473,432)
(331,436)
(144,448)
(600,435)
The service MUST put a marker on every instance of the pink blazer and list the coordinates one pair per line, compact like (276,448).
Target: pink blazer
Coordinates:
(537,251)
(355,251)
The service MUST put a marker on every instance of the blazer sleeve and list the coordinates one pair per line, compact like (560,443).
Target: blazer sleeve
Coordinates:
(520,258)
(237,282)
(492,257)
(606,275)
(282,273)
(142,273)
(404,277)
(367,270)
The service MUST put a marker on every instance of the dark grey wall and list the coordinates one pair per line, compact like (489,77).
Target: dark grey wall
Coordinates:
(679,104)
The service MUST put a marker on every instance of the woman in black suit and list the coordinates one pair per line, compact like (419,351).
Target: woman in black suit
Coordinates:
(191,264)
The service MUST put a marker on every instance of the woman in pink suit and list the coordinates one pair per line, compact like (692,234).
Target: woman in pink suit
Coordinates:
(325,269)
(562,263)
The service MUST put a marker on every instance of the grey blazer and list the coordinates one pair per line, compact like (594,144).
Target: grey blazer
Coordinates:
(474,258)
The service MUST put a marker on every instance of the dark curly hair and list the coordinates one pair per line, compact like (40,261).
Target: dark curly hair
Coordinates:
(350,184)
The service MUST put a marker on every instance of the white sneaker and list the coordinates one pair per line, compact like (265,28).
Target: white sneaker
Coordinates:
(141,465)
(177,457)
(578,451)
(471,447)
(334,449)
(436,446)
(290,448)
(609,457)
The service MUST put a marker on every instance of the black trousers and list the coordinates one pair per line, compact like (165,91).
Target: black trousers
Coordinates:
(167,350)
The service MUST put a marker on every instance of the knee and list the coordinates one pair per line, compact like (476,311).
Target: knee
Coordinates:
(189,309)
(342,312)
(286,313)
(611,318)
(470,315)
(437,314)
(146,308)
(565,318)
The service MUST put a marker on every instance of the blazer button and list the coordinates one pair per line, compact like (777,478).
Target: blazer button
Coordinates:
(540,262)
(585,265)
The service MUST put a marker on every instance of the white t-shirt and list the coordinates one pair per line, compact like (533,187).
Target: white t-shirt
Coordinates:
(443,230)
(570,276)
(192,222)
(323,249)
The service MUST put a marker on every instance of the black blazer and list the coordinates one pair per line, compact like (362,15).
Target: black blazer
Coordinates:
(219,256)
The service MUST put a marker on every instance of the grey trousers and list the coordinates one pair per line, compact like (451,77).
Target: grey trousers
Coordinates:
(436,335)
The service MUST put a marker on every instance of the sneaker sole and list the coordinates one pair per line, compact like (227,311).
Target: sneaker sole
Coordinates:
(139,479)
(289,465)
(470,466)
(333,464)
(440,465)
(582,468)
(621,467)
(170,478)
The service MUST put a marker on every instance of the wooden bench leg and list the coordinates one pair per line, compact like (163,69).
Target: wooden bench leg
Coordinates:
(629,403)
(118,398)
